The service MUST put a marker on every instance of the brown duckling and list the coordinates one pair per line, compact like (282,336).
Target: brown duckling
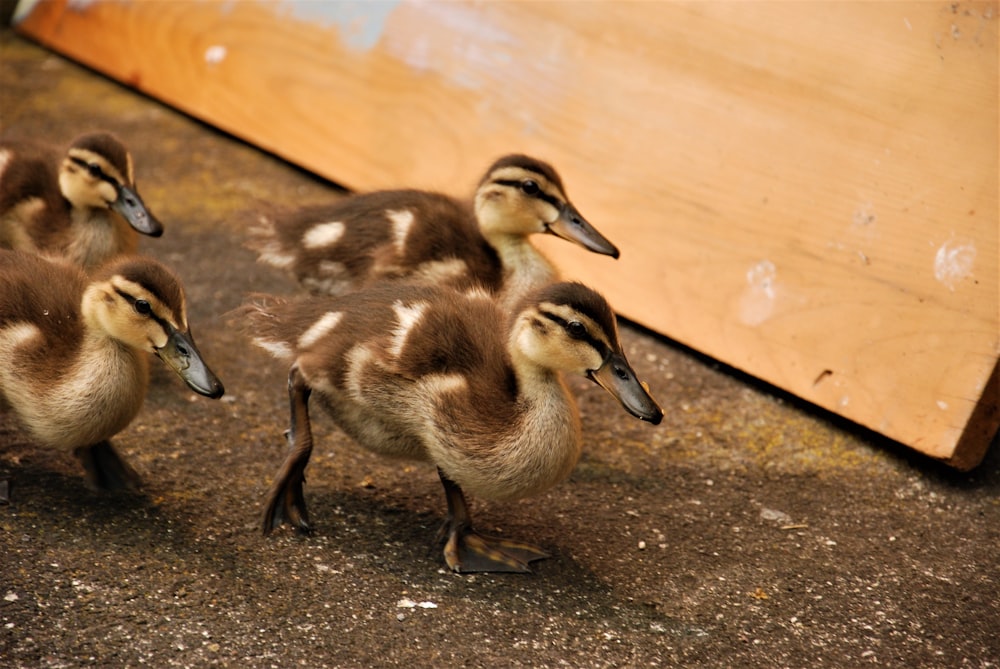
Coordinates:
(429,373)
(73,352)
(429,237)
(82,206)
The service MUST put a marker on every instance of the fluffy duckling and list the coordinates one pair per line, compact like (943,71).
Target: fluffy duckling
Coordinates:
(429,373)
(82,206)
(430,237)
(73,352)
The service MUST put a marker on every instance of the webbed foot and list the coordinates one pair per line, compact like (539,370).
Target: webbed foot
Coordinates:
(467,551)
(286,504)
(105,469)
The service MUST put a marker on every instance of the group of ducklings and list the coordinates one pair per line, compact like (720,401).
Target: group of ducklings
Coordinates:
(431,328)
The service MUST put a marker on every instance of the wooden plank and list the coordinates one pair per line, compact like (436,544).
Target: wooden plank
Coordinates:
(806,191)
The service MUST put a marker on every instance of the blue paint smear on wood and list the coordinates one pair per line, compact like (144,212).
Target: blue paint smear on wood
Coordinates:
(360,23)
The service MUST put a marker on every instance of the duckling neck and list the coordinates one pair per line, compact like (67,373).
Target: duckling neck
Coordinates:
(543,446)
(524,267)
(96,235)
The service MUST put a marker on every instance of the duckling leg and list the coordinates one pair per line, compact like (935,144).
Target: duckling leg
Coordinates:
(105,469)
(466,550)
(285,500)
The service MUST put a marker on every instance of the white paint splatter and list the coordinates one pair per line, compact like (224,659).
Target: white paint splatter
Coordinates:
(941,404)
(953,262)
(757,300)
(477,53)
(864,215)
(215,54)
(407,603)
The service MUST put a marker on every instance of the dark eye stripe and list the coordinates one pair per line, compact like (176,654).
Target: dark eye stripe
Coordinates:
(167,327)
(593,341)
(95,170)
(541,195)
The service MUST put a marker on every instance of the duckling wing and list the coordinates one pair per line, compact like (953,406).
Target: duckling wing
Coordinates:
(390,338)
(33,214)
(360,240)
(39,313)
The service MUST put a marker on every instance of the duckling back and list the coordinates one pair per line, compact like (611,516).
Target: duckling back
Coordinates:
(362,239)
(33,214)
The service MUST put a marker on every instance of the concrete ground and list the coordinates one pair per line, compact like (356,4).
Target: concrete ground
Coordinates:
(747,530)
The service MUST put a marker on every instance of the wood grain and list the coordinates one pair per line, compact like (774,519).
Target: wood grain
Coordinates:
(806,191)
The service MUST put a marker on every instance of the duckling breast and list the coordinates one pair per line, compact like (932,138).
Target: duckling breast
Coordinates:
(504,455)
(94,398)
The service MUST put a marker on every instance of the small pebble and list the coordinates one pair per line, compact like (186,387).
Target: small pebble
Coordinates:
(642,545)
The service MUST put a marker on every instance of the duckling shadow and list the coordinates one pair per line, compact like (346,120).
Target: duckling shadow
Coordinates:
(52,502)
(559,587)
(399,535)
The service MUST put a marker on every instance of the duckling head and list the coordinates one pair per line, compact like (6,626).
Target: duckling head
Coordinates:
(141,303)
(571,328)
(521,196)
(97,173)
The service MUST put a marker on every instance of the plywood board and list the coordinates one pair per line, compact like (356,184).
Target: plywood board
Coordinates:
(805,191)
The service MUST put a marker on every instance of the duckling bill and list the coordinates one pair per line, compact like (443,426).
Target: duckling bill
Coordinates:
(428,373)
(74,352)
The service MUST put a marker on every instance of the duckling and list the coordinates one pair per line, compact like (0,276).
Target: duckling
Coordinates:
(429,373)
(73,352)
(430,237)
(83,206)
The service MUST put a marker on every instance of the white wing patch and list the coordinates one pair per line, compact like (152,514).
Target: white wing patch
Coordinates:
(320,328)
(273,256)
(357,359)
(442,270)
(402,221)
(444,383)
(14,336)
(323,234)
(331,267)
(327,286)
(278,349)
(408,316)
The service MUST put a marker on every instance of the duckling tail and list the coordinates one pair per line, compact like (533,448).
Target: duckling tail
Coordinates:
(259,319)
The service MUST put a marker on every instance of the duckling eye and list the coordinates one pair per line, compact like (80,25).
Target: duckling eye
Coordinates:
(576,329)
(142,307)
(529,187)
(95,170)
